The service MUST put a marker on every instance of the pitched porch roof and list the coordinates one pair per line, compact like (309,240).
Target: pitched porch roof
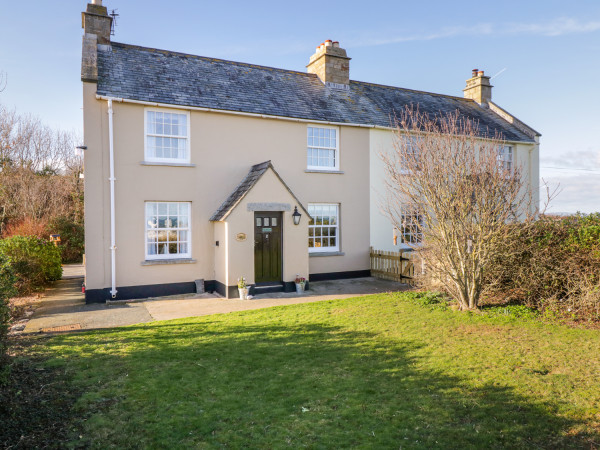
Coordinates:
(256,172)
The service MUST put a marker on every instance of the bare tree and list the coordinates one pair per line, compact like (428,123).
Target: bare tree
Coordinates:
(39,172)
(446,181)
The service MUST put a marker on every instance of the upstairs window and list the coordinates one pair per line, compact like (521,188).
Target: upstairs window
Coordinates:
(167,137)
(505,158)
(322,149)
(410,155)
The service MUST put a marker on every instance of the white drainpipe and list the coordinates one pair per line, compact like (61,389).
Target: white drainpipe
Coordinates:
(113,247)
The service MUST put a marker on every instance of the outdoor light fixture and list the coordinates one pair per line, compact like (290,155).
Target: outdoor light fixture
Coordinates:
(296,216)
(79,150)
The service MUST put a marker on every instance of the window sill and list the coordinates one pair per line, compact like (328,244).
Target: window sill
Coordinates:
(158,262)
(338,172)
(173,164)
(315,254)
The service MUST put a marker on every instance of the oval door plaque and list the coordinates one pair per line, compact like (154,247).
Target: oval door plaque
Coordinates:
(240,237)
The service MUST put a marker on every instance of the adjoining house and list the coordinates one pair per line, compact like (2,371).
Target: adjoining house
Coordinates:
(199,171)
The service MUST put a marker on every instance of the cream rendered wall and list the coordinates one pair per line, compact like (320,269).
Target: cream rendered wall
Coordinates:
(295,237)
(97,200)
(223,148)
(526,159)
(382,230)
(220,229)
(525,156)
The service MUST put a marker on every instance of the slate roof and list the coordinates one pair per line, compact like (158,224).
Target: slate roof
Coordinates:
(151,75)
(256,172)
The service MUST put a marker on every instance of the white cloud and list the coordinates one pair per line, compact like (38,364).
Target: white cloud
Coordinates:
(556,27)
(578,191)
(581,159)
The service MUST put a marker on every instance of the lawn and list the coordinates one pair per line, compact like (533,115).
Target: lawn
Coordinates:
(381,371)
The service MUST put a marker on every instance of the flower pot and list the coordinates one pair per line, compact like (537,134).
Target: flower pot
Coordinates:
(243,293)
(299,288)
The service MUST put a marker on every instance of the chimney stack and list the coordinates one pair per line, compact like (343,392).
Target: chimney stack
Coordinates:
(331,64)
(96,24)
(479,88)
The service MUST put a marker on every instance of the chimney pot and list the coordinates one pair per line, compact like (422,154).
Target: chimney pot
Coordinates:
(474,72)
(331,64)
(480,73)
(97,2)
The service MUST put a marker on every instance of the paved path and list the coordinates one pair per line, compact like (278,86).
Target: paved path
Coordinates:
(64,309)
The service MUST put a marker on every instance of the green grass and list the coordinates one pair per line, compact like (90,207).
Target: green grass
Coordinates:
(382,371)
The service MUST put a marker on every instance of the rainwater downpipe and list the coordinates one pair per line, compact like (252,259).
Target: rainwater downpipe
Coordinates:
(111,179)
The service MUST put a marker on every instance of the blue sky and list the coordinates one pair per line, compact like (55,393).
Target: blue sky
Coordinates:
(548,52)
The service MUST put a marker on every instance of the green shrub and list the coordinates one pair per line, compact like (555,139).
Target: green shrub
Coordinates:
(511,311)
(7,290)
(552,266)
(429,299)
(35,261)
(71,238)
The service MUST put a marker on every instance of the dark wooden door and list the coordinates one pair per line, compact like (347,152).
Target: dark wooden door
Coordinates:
(267,247)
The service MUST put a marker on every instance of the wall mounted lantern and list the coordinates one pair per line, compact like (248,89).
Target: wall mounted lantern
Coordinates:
(79,150)
(296,216)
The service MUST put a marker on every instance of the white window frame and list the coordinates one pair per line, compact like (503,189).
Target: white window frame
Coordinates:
(336,167)
(407,229)
(506,158)
(147,156)
(147,228)
(414,150)
(337,229)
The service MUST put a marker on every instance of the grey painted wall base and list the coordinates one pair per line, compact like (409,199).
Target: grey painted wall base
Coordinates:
(158,290)
(339,275)
(146,291)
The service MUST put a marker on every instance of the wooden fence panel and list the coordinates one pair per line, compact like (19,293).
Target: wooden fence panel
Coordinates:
(393,266)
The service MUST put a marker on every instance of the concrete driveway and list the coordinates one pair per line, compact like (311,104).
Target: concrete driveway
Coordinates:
(64,309)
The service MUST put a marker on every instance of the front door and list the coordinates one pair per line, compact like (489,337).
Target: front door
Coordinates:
(267,247)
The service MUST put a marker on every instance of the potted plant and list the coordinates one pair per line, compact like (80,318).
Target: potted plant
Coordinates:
(243,288)
(300,283)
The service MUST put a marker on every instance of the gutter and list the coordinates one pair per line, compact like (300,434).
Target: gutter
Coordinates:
(260,116)
(111,179)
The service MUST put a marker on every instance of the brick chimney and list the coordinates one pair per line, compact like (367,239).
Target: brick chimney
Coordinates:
(331,64)
(96,24)
(479,88)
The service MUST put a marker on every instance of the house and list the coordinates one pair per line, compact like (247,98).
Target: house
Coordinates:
(199,171)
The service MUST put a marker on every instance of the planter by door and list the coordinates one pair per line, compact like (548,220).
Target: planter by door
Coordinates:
(243,293)
(268,240)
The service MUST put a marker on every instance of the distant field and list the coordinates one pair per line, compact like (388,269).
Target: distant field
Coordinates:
(381,371)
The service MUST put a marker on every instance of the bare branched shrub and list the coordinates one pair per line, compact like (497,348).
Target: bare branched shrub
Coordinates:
(447,170)
(27,227)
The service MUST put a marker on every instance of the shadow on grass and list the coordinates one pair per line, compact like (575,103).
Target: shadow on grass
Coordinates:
(306,385)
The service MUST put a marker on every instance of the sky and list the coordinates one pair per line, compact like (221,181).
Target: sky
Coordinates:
(544,57)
